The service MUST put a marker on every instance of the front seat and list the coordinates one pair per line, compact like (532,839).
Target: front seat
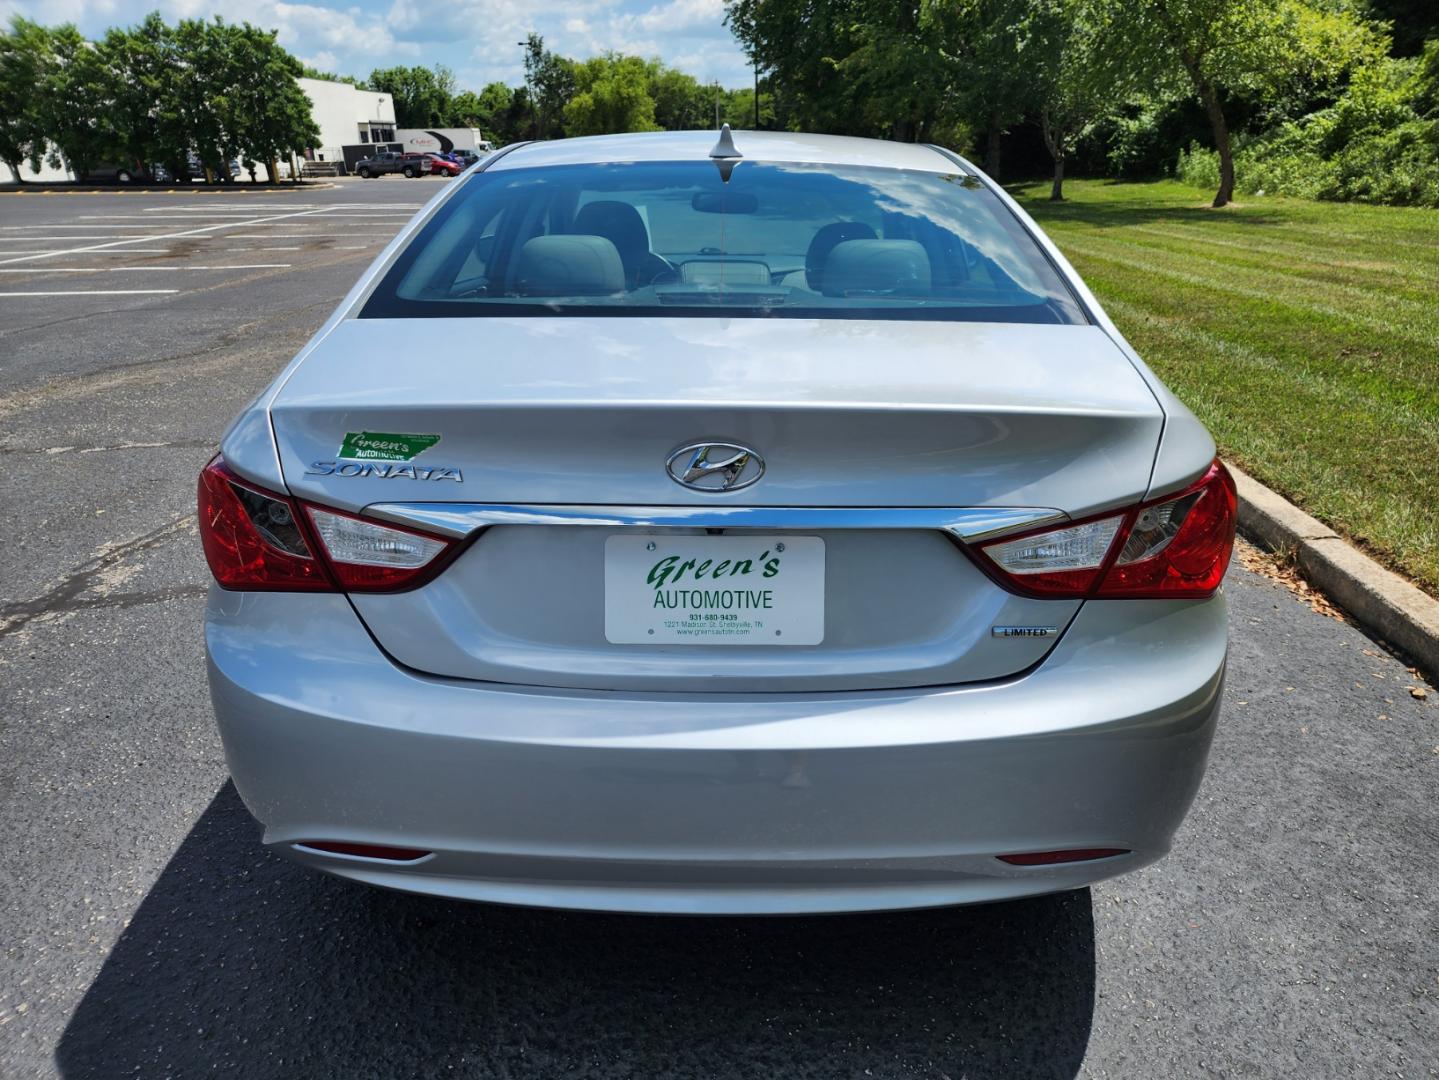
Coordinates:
(621,224)
(826,239)
(569,266)
(898,268)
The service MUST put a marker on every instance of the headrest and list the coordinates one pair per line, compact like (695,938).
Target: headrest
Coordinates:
(824,242)
(618,222)
(877,267)
(569,266)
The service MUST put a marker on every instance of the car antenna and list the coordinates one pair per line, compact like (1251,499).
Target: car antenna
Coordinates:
(725,155)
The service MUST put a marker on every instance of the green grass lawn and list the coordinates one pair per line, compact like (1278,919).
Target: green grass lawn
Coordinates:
(1304,334)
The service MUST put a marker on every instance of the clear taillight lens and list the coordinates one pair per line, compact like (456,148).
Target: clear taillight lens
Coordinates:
(1060,561)
(1178,546)
(366,556)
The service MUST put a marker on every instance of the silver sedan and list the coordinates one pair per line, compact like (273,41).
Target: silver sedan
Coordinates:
(789,531)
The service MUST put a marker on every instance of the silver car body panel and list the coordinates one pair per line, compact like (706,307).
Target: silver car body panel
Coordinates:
(526,604)
(706,803)
(553,410)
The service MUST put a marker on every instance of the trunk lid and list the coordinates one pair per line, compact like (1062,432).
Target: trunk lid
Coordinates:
(586,411)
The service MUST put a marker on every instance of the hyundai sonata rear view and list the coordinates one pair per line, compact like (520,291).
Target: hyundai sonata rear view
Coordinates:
(792,532)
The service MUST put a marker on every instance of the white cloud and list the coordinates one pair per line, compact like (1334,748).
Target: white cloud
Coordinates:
(682,15)
(476,37)
(324,60)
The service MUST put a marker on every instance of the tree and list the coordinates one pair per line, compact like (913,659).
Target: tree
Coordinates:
(22,55)
(422,96)
(265,112)
(1413,23)
(516,121)
(550,82)
(1217,48)
(991,50)
(72,106)
(140,65)
(491,110)
(1077,86)
(681,103)
(612,94)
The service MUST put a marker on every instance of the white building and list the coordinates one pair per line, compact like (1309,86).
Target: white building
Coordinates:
(346,116)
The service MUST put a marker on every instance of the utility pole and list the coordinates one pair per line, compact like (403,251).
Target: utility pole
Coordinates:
(529,91)
(756,93)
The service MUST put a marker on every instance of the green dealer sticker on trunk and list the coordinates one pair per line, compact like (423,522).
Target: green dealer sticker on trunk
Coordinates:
(384,445)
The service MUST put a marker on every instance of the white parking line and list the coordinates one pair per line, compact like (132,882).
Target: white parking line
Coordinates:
(88,251)
(169,236)
(202,211)
(122,269)
(96,292)
(279,236)
(151,226)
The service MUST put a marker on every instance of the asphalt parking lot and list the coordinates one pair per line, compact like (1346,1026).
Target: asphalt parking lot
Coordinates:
(1294,932)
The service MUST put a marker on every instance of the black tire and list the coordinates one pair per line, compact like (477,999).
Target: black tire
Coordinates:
(409,172)
(363,172)
(123,177)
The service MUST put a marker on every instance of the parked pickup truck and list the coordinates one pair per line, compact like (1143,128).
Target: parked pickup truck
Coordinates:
(388,162)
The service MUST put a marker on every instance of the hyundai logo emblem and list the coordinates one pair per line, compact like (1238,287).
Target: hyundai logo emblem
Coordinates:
(715,466)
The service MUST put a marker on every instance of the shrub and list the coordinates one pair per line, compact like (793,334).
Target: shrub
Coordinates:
(1371,145)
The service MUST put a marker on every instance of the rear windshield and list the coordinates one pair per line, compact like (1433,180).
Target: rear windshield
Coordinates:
(773,240)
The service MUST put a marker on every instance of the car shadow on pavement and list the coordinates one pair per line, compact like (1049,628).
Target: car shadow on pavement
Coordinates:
(239,962)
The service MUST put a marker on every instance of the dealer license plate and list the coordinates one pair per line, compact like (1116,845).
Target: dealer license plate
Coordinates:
(714,590)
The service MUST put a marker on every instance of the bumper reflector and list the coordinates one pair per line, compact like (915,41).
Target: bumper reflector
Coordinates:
(365,851)
(1050,858)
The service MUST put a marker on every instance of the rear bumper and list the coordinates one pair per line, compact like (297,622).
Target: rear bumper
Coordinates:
(717,803)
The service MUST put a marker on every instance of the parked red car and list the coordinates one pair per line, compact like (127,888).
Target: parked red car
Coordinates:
(439,166)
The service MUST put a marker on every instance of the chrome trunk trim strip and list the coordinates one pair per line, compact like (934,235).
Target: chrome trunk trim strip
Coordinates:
(966,523)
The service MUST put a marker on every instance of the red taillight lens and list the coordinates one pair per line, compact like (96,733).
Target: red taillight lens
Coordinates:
(1055,858)
(1178,546)
(257,539)
(366,851)
(252,537)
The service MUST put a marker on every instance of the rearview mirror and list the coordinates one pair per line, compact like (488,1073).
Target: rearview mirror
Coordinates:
(724,202)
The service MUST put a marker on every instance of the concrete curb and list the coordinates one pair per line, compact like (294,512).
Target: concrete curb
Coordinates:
(1379,599)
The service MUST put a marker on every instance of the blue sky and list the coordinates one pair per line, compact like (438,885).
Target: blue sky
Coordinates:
(476,38)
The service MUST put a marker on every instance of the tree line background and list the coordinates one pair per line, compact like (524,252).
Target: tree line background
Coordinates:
(561,97)
(1323,98)
(152,94)
(1333,99)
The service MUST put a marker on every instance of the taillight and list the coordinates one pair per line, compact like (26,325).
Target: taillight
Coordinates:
(1178,546)
(252,537)
(258,539)
(369,557)
(1057,562)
